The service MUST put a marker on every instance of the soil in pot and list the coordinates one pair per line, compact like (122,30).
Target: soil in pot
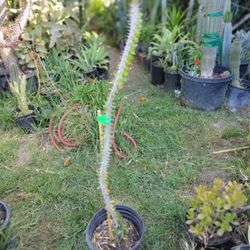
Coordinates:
(172,82)
(238,98)
(157,73)
(202,93)
(134,223)
(101,237)
(26,122)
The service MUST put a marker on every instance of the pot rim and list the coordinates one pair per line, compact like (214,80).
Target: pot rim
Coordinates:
(7,216)
(200,80)
(118,207)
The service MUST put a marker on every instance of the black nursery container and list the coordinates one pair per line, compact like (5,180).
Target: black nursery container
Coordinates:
(202,93)
(243,68)
(127,213)
(172,82)
(157,73)
(4,208)
(4,83)
(238,98)
(146,63)
(26,122)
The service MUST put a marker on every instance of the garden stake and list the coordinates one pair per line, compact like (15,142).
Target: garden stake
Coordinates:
(231,150)
(126,135)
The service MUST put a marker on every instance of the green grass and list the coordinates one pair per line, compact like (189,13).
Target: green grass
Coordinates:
(52,204)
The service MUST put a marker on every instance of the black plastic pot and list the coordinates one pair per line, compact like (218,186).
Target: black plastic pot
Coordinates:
(26,122)
(238,98)
(127,213)
(172,81)
(146,63)
(243,68)
(3,83)
(241,247)
(157,73)
(204,94)
(5,209)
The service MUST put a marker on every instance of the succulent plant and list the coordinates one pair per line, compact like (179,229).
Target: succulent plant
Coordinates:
(118,82)
(213,210)
(17,86)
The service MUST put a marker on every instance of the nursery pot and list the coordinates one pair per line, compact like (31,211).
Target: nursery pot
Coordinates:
(238,98)
(243,68)
(4,215)
(157,73)
(4,83)
(26,122)
(146,63)
(202,93)
(127,213)
(172,81)
(241,247)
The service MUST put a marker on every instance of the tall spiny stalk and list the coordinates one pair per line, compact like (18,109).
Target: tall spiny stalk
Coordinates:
(118,81)
(9,36)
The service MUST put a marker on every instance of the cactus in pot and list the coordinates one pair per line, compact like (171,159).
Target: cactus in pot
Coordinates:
(9,36)
(235,55)
(117,227)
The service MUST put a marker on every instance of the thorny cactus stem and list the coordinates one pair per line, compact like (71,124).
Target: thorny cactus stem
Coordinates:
(9,37)
(235,62)
(227,35)
(118,82)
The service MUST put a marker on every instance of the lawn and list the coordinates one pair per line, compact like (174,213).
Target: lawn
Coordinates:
(52,203)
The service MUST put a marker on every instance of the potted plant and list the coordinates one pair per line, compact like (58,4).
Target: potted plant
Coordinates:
(207,90)
(244,246)
(244,38)
(239,89)
(214,213)
(91,60)
(121,226)
(24,114)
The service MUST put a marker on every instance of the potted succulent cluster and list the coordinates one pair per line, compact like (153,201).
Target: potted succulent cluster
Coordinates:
(207,88)
(120,226)
(239,90)
(215,213)
(24,114)
(92,60)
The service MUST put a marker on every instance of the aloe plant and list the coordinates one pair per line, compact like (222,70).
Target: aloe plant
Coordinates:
(17,86)
(118,82)
(9,36)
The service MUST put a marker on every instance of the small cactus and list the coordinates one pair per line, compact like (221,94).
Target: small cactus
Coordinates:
(235,62)
(18,85)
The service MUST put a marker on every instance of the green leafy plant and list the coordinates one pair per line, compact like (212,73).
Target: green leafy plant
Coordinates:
(91,57)
(213,211)
(49,26)
(17,86)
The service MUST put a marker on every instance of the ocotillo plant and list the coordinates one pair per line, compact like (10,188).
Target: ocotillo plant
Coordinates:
(9,36)
(211,35)
(235,62)
(118,82)
(227,35)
